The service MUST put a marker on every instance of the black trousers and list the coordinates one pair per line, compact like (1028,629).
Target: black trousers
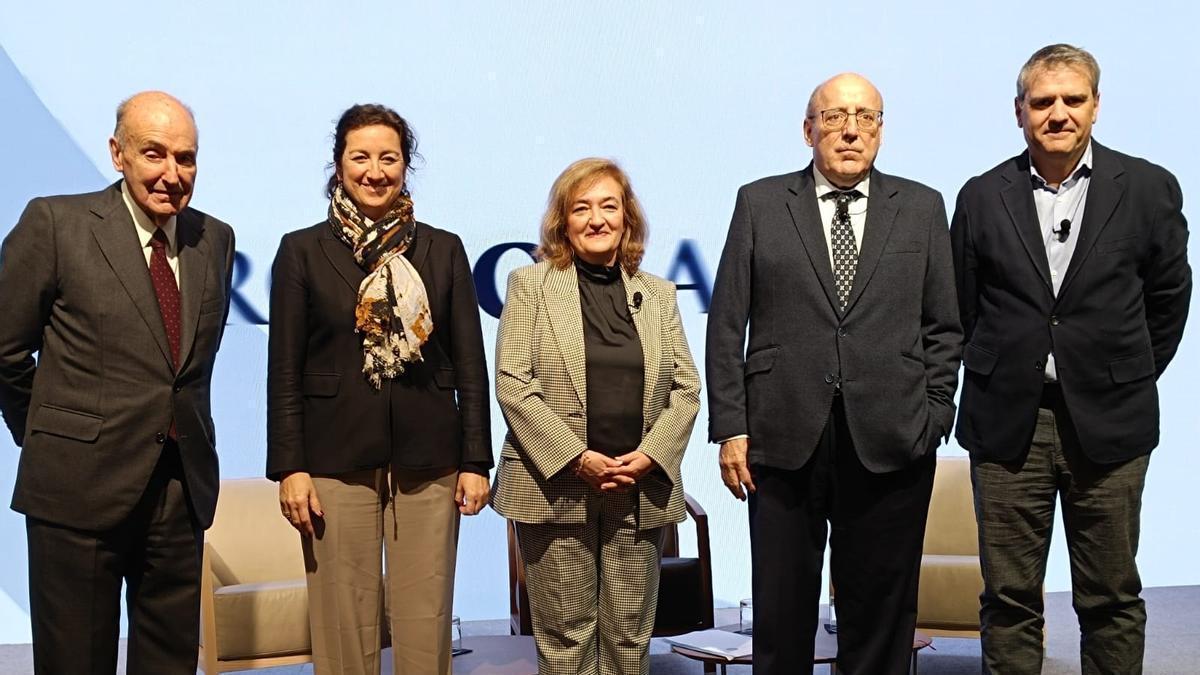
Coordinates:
(878,527)
(75,579)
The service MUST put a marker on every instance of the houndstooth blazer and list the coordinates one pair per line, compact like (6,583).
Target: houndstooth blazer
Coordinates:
(541,387)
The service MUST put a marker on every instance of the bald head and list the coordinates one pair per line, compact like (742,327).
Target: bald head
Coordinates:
(844,145)
(150,102)
(850,81)
(154,148)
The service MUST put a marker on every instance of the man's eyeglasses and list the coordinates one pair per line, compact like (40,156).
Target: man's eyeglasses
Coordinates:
(835,119)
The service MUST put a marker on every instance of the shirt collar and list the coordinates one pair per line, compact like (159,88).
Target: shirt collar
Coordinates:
(145,226)
(824,187)
(1083,168)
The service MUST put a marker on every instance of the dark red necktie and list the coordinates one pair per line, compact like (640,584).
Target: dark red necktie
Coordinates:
(167,291)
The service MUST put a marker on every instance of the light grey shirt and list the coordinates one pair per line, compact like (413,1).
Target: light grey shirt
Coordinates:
(1056,206)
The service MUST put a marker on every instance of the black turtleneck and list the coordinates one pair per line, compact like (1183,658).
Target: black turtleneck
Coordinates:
(614,361)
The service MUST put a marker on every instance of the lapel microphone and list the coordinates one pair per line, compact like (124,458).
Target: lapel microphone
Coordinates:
(1063,231)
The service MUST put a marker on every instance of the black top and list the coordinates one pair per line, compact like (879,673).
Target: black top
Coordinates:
(615,370)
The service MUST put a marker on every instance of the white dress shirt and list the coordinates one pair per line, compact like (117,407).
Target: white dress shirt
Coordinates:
(145,230)
(856,208)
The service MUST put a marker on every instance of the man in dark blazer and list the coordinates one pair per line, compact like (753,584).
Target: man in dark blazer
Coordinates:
(835,407)
(122,294)
(1074,286)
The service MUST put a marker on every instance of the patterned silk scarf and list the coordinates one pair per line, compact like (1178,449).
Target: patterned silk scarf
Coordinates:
(393,309)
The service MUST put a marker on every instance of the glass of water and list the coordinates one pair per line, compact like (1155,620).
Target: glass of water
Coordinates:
(746,616)
(456,635)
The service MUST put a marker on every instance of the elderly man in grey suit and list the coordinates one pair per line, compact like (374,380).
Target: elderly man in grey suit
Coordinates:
(832,412)
(122,294)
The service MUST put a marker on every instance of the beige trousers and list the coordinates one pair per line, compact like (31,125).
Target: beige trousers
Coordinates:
(408,518)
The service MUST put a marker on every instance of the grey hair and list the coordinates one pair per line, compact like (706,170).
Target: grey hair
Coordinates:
(1058,56)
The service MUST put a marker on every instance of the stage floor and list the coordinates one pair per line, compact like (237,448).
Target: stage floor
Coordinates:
(1172,642)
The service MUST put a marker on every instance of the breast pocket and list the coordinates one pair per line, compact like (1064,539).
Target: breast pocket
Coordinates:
(1116,244)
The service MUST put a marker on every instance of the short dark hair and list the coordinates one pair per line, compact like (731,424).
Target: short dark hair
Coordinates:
(362,115)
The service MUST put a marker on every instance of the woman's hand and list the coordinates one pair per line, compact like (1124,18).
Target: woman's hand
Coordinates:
(593,468)
(633,465)
(298,501)
(471,495)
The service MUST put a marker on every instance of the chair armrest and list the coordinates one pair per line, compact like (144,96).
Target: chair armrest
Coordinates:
(704,553)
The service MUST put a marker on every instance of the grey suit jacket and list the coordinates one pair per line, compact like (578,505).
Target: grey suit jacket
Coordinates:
(893,353)
(92,412)
(542,390)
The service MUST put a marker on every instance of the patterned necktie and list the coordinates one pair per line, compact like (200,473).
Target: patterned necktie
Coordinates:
(167,291)
(845,251)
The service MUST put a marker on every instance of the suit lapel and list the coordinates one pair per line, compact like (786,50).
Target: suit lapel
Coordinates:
(118,241)
(1105,189)
(1018,201)
(647,319)
(806,217)
(193,277)
(881,213)
(561,290)
(342,260)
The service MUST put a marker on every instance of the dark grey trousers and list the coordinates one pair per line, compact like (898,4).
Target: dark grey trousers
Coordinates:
(1102,503)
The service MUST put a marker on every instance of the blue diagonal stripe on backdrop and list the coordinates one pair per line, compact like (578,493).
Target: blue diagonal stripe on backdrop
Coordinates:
(41,158)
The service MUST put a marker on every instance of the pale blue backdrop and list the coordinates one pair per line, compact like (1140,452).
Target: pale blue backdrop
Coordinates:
(693,98)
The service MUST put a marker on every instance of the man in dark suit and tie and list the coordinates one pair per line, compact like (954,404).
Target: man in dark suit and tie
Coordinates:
(833,411)
(1074,286)
(122,294)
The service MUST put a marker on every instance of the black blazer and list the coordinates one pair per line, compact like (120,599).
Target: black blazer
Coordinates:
(895,350)
(92,413)
(322,415)
(1113,328)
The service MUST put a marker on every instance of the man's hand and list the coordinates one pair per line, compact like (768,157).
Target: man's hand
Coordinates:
(298,501)
(633,466)
(735,468)
(471,495)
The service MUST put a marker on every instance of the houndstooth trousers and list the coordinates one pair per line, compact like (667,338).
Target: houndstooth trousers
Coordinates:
(593,589)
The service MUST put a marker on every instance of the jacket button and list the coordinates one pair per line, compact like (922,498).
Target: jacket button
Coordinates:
(841,332)
(178,388)
(1053,320)
(1039,366)
(829,379)
(160,438)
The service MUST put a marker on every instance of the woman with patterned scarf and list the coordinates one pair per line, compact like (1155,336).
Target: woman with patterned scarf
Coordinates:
(377,415)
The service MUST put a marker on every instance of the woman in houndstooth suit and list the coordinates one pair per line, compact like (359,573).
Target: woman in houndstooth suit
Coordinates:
(600,393)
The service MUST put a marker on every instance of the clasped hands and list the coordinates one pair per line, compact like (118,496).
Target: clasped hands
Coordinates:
(607,474)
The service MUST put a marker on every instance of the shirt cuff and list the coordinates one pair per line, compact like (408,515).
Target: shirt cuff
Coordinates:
(733,438)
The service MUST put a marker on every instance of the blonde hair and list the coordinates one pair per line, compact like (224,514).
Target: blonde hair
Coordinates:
(579,176)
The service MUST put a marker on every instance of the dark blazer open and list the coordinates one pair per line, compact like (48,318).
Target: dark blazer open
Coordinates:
(895,350)
(1113,328)
(323,416)
(92,413)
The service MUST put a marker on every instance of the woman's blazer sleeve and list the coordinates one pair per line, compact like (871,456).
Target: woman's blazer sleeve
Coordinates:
(286,349)
(670,432)
(470,363)
(541,434)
